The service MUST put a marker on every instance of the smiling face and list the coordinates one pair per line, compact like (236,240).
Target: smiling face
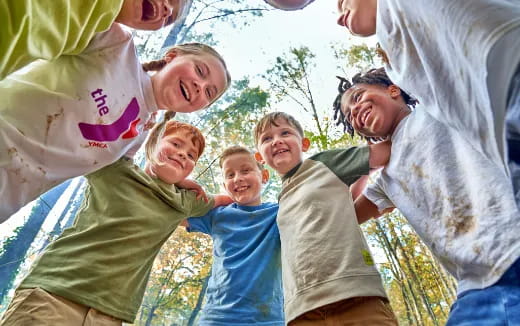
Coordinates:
(358,16)
(243,179)
(281,146)
(150,14)
(176,155)
(374,110)
(189,82)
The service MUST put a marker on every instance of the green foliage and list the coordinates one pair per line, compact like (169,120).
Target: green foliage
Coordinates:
(356,58)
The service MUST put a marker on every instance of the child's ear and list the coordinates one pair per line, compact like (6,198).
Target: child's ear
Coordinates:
(259,158)
(170,56)
(394,90)
(306,143)
(265,176)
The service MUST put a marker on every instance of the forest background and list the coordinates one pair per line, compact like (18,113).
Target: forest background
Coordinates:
(279,61)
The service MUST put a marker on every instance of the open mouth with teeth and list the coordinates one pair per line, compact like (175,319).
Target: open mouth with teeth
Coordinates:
(184,91)
(280,151)
(241,189)
(363,116)
(150,11)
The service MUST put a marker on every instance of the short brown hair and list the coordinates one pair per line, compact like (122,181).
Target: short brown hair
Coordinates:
(168,126)
(270,120)
(238,150)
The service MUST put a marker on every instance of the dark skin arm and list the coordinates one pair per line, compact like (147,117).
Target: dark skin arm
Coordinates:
(366,210)
(357,187)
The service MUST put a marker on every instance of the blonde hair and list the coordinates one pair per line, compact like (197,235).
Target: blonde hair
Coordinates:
(238,150)
(168,126)
(269,120)
(190,48)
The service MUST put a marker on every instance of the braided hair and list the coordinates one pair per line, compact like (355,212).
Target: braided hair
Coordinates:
(372,77)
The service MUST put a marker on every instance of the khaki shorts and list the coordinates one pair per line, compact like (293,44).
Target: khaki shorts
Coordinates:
(38,307)
(359,311)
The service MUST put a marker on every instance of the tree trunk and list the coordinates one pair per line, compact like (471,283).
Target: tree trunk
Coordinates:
(18,245)
(171,39)
(60,225)
(411,312)
(415,278)
(150,315)
(198,306)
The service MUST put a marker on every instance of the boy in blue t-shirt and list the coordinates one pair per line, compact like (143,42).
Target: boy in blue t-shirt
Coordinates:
(245,286)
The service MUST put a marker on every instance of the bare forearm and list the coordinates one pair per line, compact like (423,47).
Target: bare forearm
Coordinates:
(365,209)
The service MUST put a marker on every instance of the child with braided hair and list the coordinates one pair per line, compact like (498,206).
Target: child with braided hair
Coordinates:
(460,59)
(74,115)
(458,200)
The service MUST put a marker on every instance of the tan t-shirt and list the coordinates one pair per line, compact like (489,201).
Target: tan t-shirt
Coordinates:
(325,257)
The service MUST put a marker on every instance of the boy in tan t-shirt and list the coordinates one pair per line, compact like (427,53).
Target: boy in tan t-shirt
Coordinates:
(327,270)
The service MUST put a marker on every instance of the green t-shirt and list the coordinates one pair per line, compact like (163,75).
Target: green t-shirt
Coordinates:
(104,260)
(32,29)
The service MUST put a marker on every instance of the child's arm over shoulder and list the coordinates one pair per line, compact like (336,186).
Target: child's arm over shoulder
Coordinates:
(205,223)
(222,200)
(193,186)
(348,164)
(219,200)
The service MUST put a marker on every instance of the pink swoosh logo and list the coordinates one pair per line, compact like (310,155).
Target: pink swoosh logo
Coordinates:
(111,132)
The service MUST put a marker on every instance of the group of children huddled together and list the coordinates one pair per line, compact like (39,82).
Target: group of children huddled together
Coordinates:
(442,119)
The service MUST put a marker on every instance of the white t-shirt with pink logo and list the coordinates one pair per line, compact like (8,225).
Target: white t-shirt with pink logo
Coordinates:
(71,116)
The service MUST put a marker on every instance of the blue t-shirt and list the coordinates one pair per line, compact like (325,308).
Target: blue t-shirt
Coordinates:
(245,286)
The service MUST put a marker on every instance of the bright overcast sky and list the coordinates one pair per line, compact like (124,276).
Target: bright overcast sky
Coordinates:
(252,49)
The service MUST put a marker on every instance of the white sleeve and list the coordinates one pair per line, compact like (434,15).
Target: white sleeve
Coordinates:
(376,194)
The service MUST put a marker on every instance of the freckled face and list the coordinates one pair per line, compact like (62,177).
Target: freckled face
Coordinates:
(373,110)
(189,82)
(358,16)
(150,14)
(177,155)
(243,179)
(282,146)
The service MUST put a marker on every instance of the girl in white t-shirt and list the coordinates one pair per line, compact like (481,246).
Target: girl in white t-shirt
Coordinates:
(460,59)
(71,116)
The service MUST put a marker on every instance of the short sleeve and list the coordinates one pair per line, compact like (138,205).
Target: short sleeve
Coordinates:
(349,164)
(201,224)
(376,194)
